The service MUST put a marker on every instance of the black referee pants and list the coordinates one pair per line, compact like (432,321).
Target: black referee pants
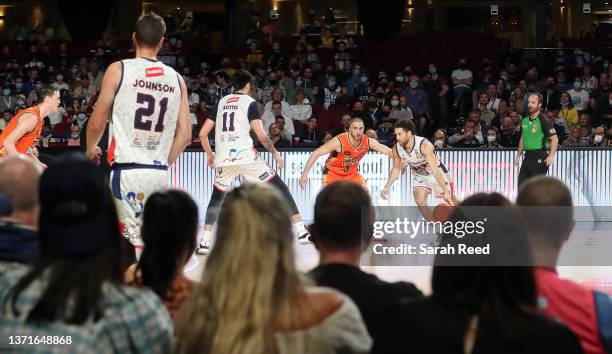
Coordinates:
(534,164)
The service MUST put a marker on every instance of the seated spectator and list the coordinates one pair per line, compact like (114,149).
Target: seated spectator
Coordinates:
(467,137)
(340,242)
(223,86)
(169,233)
(276,58)
(568,113)
(345,122)
(478,305)
(602,110)
(562,84)
(311,54)
(310,136)
(288,317)
(6,118)
(600,139)
(580,97)
(269,117)
(8,101)
(19,242)
(278,96)
(559,127)
(75,290)
(384,126)
(255,55)
(575,139)
(276,136)
(75,133)
(551,97)
(440,140)
(85,92)
(416,98)
(330,92)
(486,114)
(462,86)
(372,134)
(583,310)
(502,111)
(586,129)
(492,138)
(327,136)
(342,58)
(402,111)
(510,133)
(327,40)
(301,110)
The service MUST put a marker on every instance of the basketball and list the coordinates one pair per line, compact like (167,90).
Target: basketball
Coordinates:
(442,212)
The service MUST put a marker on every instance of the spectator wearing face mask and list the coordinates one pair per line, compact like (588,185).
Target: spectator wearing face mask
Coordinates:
(7,101)
(210,98)
(354,80)
(492,138)
(567,112)
(462,85)
(600,139)
(439,139)
(580,97)
(330,92)
(362,90)
(416,98)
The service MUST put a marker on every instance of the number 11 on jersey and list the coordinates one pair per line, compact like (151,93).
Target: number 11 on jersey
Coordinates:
(231,122)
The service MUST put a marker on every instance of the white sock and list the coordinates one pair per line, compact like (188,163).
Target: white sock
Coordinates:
(299,227)
(206,236)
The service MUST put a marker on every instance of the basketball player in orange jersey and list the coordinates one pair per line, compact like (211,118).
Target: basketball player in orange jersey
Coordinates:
(345,151)
(24,128)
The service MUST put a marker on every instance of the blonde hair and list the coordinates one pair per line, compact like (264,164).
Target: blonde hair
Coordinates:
(250,280)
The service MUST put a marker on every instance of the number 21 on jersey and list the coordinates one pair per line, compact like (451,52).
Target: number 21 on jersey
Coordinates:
(142,116)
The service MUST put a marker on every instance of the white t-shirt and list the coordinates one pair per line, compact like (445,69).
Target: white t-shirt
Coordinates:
(285,108)
(462,74)
(579,99)
(301,112)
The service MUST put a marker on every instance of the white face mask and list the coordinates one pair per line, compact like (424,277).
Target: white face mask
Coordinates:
(598,139)
(439,143)
(394,103)
(491,138)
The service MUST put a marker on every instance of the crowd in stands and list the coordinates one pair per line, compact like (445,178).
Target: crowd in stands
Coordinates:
(65,272)
(305,94)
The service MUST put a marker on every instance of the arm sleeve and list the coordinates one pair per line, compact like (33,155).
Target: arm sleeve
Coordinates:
(213,113)
(253,112)
(547,127)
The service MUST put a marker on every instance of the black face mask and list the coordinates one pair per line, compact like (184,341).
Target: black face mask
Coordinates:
(372,104)
(386,114)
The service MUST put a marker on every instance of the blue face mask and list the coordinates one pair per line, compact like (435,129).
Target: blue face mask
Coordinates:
(577,85)
(19,85)
(7,92)
(432,71)
(331,84)
(299,83)
(363,79)
(413,84)
(399,78)
(356,72)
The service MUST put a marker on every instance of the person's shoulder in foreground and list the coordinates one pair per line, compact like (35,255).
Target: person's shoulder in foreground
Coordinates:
(133,321)
(427,326)
(341,331)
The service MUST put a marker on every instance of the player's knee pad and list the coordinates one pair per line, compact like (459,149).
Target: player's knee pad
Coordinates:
(276,181)
(213,206)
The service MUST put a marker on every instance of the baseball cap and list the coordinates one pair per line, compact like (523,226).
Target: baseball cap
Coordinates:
(75,205)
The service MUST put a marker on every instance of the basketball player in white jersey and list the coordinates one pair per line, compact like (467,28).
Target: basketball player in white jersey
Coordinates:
(428,173)
(146,102)
(235,155)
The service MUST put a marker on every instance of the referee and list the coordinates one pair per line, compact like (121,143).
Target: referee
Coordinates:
(535,129)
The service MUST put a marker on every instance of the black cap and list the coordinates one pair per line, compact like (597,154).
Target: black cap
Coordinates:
(75,204)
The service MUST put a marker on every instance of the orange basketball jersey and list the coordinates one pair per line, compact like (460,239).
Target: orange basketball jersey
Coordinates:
(29,139)
(346,162)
